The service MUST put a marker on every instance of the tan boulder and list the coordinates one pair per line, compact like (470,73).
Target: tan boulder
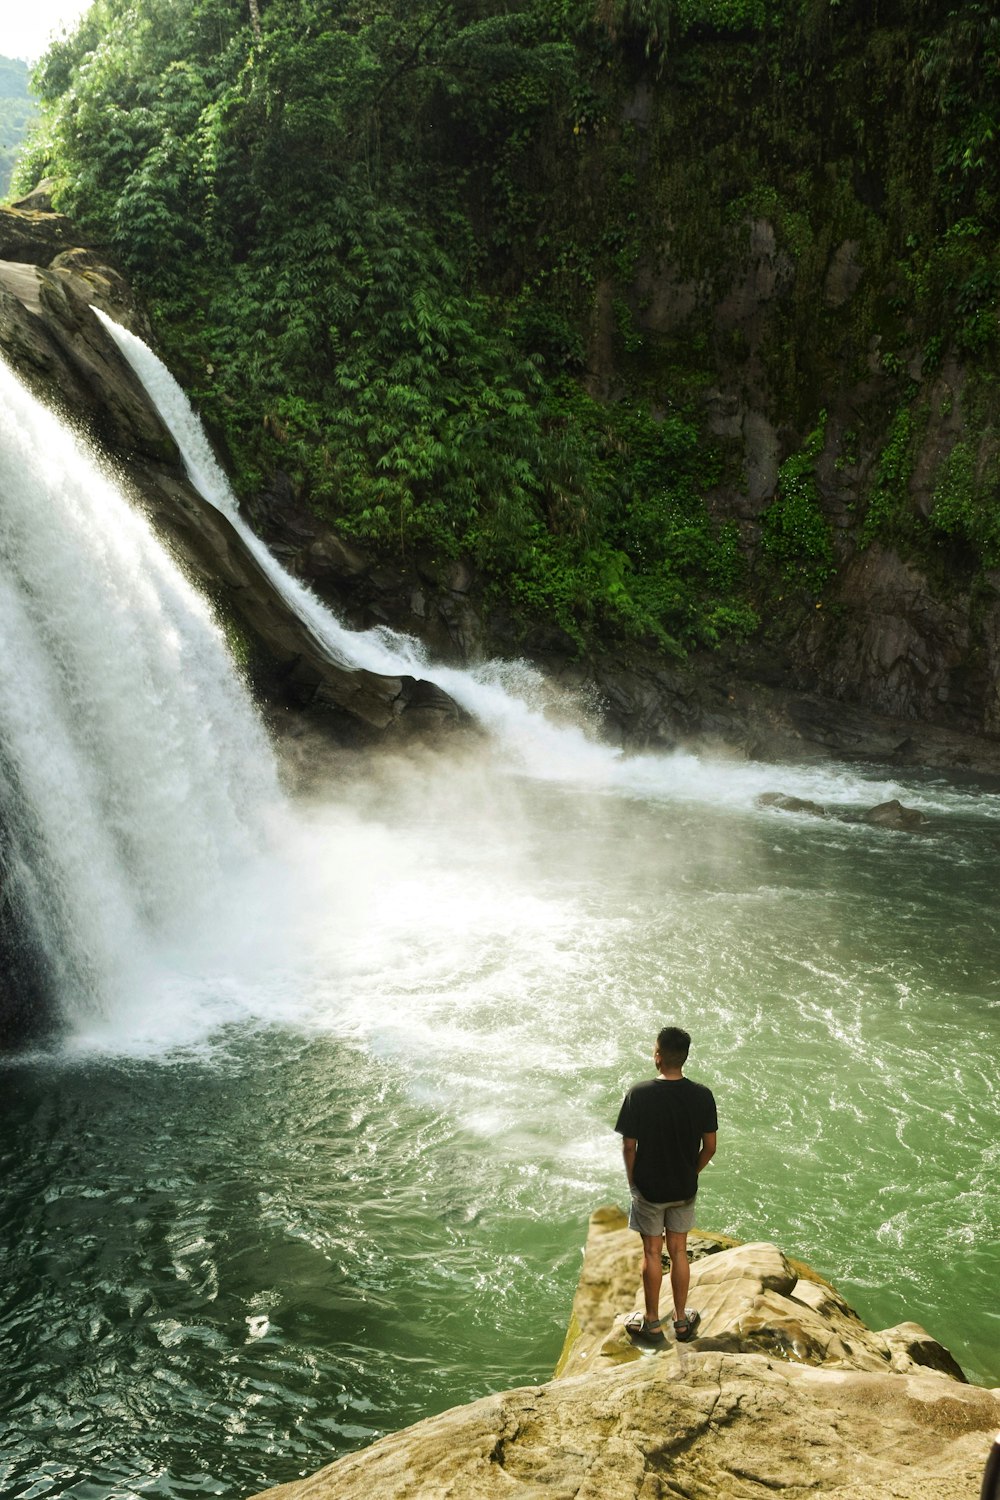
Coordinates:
(752,1299)
(829,1408)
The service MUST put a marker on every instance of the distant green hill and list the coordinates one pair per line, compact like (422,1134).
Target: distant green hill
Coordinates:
(17,110)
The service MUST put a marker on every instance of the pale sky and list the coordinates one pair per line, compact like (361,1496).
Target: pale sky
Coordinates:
(27,25)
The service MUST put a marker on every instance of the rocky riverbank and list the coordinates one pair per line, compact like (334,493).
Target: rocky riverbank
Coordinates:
(785,1390)
(758,702)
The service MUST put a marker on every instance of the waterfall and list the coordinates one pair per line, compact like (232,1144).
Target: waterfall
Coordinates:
(133,769)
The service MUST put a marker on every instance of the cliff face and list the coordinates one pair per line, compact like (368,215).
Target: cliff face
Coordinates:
(790,236)
(785,1390)
(804,234)
(886,669)
(906,625)
(679,319)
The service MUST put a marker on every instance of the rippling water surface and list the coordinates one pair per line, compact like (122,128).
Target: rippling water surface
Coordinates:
(282,1204)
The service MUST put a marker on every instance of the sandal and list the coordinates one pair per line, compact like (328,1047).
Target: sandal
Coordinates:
(684,1327)
(645,1335)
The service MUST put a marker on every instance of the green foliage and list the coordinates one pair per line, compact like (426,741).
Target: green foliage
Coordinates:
(732,15)
(954,284)
(889,497)
(795,535)
(642,556)
(654,23)
(650,22)
(387,244)
(310,210)
(962,63)
(965,503)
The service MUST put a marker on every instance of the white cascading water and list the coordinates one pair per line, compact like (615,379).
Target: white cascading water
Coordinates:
(507,698)
(139,770)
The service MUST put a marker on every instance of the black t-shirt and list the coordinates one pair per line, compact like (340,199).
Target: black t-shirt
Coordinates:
(667,1117)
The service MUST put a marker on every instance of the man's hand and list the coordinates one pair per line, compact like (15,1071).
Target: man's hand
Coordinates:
(628,1156)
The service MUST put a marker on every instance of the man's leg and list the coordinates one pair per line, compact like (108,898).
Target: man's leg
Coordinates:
(680,1270)
(652,1274)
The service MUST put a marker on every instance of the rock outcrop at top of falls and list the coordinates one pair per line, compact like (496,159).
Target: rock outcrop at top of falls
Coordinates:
(784,1390)
(48,283)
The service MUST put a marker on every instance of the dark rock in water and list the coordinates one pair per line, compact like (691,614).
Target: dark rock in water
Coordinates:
(27,1013)
(791,804)
(894,815)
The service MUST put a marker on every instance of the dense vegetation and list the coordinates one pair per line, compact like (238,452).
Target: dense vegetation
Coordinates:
(406,252)
(17,109)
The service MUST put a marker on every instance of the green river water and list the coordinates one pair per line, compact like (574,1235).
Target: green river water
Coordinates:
(284,1205)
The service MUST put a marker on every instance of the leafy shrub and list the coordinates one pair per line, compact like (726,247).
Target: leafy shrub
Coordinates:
(888,499)
(795,535)
(964,507)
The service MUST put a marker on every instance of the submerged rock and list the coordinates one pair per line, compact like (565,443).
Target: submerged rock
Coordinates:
(785,1390)
(791,804)
(894,815)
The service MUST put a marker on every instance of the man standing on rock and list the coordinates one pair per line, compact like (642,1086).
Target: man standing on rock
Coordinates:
(668,1127)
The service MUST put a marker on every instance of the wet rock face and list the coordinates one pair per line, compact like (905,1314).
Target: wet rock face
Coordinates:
(906,650)
(54,342)
(784,1391)
(26,1010)
(27,981)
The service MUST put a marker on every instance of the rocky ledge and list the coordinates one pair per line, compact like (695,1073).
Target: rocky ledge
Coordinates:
(786,1390)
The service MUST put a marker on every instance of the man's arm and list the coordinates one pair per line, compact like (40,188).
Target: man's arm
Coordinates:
(628,1156)
(707,1150)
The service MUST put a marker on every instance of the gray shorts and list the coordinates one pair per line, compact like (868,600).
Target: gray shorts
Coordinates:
(653,1218)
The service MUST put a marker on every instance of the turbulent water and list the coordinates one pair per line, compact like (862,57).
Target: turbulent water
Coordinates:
(316,1155)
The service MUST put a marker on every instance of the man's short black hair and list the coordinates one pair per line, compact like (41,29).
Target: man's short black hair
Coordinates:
(673,1045)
